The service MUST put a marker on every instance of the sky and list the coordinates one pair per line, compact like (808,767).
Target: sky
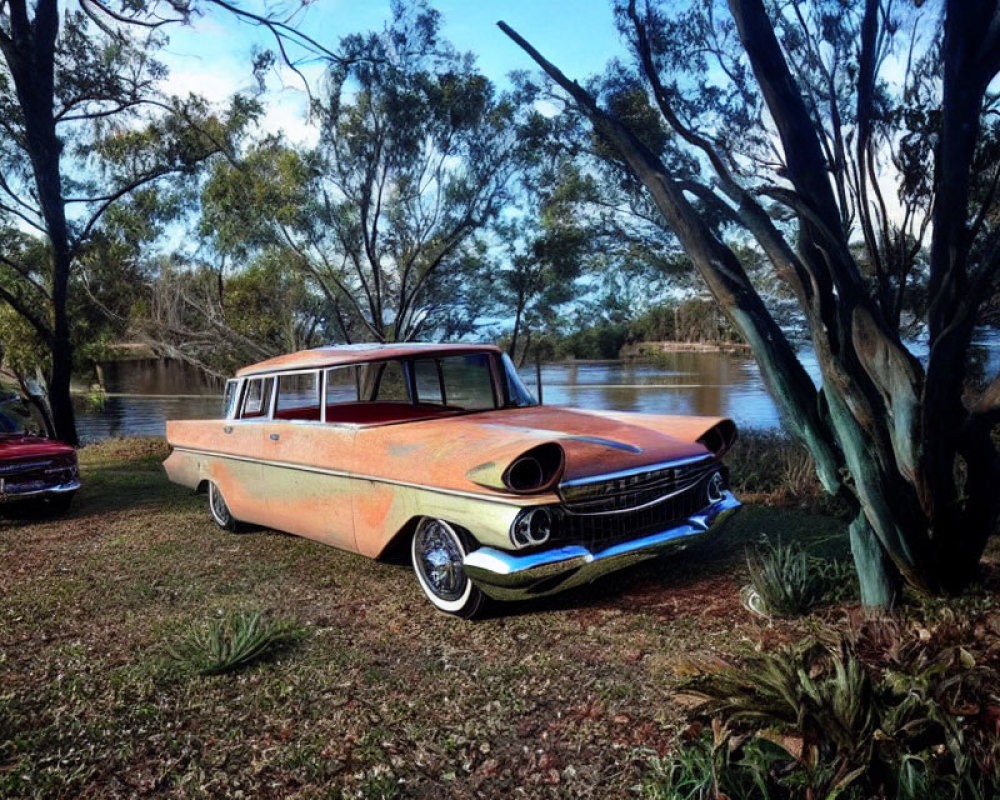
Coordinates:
(212,56)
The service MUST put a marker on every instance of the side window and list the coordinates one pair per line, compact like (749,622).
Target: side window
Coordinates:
(468,382)
(256,398)
(298,396)
(342,385)
(428,379)
(229,398)
(385,382)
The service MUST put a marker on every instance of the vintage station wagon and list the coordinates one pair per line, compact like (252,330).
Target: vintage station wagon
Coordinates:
(441,452)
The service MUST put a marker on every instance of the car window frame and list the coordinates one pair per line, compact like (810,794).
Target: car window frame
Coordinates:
(320,392)
(241,406)
(497,373)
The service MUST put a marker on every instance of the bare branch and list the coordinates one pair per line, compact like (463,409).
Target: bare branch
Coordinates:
(23,217)
(126,19)
(283,31)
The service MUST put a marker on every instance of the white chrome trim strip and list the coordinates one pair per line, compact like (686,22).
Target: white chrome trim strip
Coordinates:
(661,499)
(610,476)
(507,499)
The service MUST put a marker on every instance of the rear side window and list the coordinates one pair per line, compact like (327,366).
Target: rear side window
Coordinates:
(257,398)
(430,386)
(385,382)
(298,396)
(342,385)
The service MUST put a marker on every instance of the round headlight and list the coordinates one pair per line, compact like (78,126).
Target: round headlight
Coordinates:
(532,527)
(716,488)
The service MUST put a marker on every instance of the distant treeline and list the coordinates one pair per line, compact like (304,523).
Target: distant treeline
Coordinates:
(694,320)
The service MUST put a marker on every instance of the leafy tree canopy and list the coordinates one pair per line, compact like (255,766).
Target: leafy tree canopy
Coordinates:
(854,144)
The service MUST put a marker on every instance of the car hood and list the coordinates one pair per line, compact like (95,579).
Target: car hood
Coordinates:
(443,452)
(593,442)
(18,447)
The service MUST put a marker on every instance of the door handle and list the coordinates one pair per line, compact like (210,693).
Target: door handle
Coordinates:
(227,429)
(275,437)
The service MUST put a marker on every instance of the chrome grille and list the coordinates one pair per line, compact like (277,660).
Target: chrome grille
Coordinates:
(636,490)
(599,531)
(21,467)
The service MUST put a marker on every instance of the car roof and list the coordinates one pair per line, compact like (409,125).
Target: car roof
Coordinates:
(339,355)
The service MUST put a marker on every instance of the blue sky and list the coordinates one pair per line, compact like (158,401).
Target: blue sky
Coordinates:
(212,57)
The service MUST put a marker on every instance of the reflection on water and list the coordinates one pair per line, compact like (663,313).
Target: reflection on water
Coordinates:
(159,376)
(136,415)
(714,384)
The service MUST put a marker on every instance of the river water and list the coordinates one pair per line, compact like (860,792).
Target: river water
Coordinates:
(144,395)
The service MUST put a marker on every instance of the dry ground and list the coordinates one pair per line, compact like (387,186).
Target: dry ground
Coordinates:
(385,697)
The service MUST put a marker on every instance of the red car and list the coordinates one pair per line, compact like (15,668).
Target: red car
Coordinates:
(37,472)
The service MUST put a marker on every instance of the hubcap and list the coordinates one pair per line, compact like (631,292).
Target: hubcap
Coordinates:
(219,508)
(440,560)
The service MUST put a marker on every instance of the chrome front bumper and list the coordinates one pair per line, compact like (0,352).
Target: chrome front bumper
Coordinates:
(507,576)
(8,495)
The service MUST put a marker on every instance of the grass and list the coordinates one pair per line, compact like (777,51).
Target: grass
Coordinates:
(384,697)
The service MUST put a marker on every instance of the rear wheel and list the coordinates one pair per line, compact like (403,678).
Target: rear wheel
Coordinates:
(437,552)
(220,511)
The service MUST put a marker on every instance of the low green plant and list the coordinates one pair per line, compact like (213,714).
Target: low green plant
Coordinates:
(96,399)
(710,764)
(882,712)
(785,581)
(380,786)
(232,641)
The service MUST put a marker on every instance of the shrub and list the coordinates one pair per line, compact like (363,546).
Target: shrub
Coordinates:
(710,764)
(232,641)
(773,468)
(785,581)
(891,710)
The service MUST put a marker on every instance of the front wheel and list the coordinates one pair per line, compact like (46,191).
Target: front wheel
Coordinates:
(220,511)
(438,553)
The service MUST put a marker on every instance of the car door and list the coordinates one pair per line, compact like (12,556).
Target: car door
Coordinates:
(237,470)
(307,465)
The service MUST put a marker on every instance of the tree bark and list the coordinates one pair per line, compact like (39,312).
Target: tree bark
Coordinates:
(30,56)
(878,577)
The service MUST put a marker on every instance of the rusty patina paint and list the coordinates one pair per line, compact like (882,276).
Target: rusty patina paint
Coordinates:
(355,486)
(339,355)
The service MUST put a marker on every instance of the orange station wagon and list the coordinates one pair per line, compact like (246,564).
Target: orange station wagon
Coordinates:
(440,451)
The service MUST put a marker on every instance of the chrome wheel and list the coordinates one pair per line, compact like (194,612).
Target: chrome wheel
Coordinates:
(220,511)
(438,555)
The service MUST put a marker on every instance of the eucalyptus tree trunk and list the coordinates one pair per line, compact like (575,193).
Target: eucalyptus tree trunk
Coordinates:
(911,455)
(29,52)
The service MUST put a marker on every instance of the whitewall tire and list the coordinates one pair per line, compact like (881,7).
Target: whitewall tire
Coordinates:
(437,553)
(220,511)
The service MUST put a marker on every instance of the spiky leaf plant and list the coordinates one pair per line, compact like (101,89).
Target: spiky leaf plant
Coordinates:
(826,697)
(784,581)
(232,641)
(712,764)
